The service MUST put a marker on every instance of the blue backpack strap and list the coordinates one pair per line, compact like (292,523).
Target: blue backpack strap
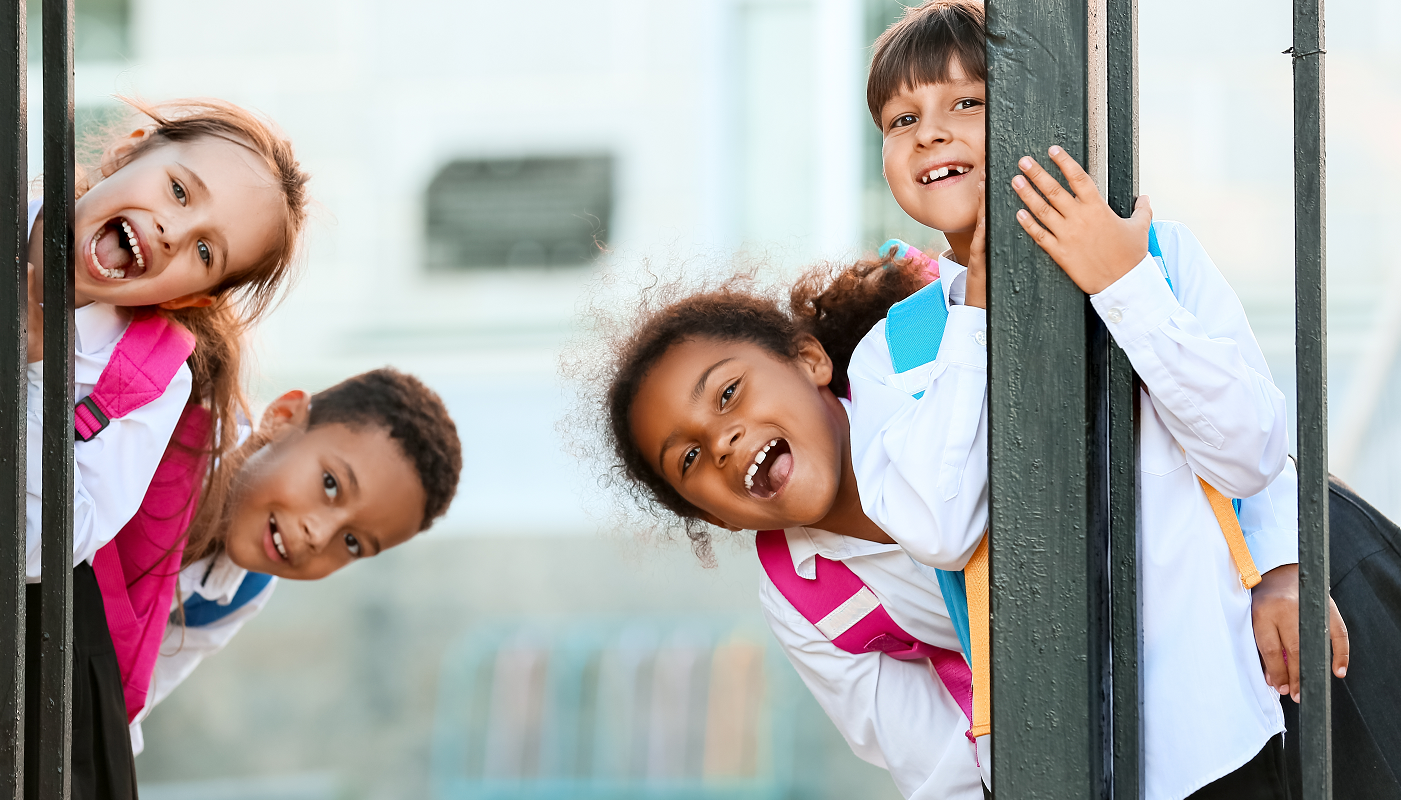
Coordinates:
(1156,252)
(201,611)
(914,328)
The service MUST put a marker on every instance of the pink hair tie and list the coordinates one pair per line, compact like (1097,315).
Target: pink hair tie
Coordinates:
(898,250)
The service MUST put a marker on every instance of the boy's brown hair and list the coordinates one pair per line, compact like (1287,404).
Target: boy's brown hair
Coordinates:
(922,48)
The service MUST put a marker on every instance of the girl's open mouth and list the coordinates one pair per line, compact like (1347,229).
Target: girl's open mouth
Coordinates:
(944,173)
(115,250)
(272,541)
(772,466)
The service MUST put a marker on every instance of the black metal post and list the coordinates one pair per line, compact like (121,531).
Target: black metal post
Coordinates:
(56,652)
(14,294)
(1048,738)
(1311,354)
(1122,406)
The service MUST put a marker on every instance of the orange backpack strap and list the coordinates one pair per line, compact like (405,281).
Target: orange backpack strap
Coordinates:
(979,631)
(1235,538)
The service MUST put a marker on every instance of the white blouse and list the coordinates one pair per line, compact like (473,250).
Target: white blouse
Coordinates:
(1210,409)
(893,714)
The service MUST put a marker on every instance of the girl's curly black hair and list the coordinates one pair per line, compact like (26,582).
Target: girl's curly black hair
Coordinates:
(835,305)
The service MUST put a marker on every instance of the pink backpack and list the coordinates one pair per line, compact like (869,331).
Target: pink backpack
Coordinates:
(848,613)
(137,570)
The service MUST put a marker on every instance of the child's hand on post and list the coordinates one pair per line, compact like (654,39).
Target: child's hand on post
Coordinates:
(1095,246)
(35,317)
(1274,614)
(976,285)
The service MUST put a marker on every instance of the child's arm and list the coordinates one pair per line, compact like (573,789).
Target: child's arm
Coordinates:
(110,473)
(1198,357)
(893,714)
(921,464)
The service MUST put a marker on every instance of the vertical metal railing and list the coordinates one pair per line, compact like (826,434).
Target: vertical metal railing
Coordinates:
(56,605)
(1311,362)
(1047,698)
(14,166)
(1121,404)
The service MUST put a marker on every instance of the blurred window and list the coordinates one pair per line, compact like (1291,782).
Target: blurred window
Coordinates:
(526,212)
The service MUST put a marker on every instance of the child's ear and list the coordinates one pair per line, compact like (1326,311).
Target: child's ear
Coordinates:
(115,154)
(815,361)
(192,300)
(291,410)
(717,522)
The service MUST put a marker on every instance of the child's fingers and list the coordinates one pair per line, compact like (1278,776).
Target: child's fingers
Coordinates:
(1055,194)
(1291,648)
(1337,633)
(1038,234)
(1036,203)
(1272,656)
(1080,181)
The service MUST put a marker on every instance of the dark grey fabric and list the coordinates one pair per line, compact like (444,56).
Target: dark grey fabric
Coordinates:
(1365,553)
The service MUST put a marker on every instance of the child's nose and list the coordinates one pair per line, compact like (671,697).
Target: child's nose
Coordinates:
(725,447)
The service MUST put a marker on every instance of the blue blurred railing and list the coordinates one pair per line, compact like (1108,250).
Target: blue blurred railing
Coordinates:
(620,709)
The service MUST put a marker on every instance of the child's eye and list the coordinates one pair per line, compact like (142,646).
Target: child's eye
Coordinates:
(691,456)
(352,544)
(204,254)
(328,482)
(179,192)
(904,120)
(967,103)
(728,394)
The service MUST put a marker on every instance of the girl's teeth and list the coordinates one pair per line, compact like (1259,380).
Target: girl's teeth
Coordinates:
(753,468)
(763,454)
(135,245)
(277,542)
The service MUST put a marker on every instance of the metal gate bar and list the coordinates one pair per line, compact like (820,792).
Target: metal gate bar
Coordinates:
(14,166)
(56,613)
(1121,406)
(1311,363)
(1047,704)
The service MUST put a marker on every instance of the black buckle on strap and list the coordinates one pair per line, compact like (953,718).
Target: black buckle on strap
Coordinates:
(102,420)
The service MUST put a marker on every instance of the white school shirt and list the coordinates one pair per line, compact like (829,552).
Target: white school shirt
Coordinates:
(1210,409)
(214,578)
(894,714)
(112,471)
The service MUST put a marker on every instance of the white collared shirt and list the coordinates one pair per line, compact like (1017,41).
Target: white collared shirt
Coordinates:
(893,714)
(1210,409)
(112,471)
(214,578)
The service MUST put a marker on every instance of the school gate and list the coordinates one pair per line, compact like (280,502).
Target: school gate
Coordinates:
(1065,643)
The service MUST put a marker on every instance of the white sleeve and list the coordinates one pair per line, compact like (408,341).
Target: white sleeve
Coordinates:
(893,714)
(1201,364)
(110,473)
(922,464)
(183,648)
(1270,521)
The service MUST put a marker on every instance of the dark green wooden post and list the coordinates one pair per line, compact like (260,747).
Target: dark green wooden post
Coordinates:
(1048,569)
(14,167)
(56,556)
(1311,362)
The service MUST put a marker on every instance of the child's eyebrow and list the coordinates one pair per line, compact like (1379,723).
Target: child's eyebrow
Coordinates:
(194,177)
(705,376)
(349,473)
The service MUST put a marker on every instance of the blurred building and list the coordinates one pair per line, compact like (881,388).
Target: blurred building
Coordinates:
(475,165)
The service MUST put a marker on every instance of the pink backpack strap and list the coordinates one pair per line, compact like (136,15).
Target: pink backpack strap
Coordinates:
(850,615)
(142,366)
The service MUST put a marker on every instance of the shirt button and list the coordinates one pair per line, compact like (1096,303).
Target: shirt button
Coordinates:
(1115,315)
(981,338)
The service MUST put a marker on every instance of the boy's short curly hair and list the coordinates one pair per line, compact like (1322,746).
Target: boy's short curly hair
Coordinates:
(412,414)
(923,46)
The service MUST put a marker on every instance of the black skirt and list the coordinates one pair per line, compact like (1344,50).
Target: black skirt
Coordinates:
(103,767)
